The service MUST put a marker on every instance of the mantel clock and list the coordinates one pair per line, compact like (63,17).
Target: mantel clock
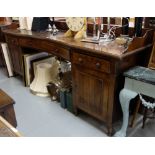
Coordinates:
(77,27)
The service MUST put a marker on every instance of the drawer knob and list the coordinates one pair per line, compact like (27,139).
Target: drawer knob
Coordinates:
(80,60)
(13,41)
(56,50)
(98,65)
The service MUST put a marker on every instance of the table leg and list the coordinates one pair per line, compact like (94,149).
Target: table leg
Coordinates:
(125,97)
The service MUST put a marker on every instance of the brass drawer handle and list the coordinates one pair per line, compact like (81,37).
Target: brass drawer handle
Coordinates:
(80,60)
(56,50)
(13,41)
(98,65)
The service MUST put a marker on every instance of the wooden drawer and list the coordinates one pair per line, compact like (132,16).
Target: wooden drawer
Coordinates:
(47,46)
(91,62)
(55,49)
(12,40)
(28,43)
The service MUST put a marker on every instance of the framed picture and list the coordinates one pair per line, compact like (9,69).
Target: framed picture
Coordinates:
(152,58)
(27,58)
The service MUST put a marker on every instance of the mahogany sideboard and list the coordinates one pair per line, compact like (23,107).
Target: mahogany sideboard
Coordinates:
(4,25)
(96,74)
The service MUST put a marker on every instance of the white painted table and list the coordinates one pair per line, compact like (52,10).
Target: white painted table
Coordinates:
(138,80)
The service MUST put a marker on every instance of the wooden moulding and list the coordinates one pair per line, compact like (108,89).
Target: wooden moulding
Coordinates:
(138,42)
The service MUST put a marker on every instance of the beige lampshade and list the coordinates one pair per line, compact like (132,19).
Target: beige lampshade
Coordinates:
(44,74)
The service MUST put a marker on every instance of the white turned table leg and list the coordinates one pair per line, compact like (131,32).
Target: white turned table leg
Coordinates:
(125,97)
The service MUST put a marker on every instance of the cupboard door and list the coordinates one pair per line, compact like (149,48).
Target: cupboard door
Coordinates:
(16,57)
(91,94)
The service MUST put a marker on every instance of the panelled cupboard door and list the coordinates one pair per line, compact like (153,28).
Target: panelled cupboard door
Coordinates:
(91,94)
(16,57)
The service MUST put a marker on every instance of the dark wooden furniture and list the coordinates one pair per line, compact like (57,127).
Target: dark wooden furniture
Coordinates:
(3,26)
(7,130)
(96,73)
(7,109)
(3,23)
(149,22)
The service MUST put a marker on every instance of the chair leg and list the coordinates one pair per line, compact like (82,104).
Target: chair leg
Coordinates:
(144,117)
(135,113)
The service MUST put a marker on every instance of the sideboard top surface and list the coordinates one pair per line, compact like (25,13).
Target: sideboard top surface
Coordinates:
(93,48)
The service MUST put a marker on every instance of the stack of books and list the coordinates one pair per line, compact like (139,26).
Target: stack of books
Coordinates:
(66,100)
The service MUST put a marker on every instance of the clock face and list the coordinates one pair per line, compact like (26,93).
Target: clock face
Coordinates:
(75,23)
